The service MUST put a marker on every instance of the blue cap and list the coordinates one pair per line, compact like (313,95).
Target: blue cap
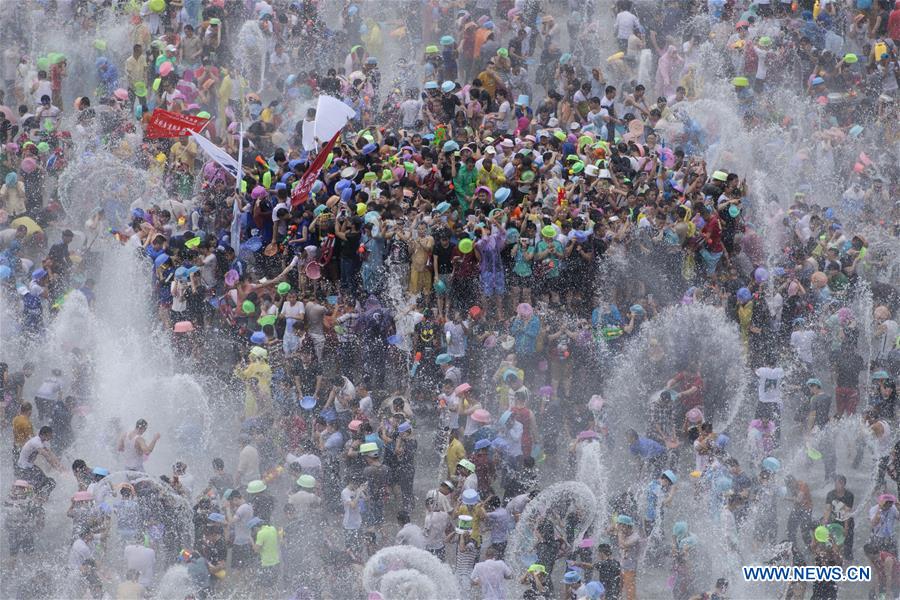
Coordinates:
(100,471)
(254,522)
(181,273)
(369,148)
(343,184)
(443,359)
(483,443)
(499,443)
(442,207)
(814,381)
(670,475)
(216,517)
(881,375)
(258,337)
(160,260)
(594,590)
(624,520)
(404,427)
(743,295)
(470,497)
(329,415)
(572,577)
(280,186)
(501,195)
(308,402)
(38,274)
(431,85)
(448,86)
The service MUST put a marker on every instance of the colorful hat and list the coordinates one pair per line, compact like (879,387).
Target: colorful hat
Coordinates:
(256,486)
(741,82)
(370,448)
(306,481)
(467,464)
(465,245)
(470,497)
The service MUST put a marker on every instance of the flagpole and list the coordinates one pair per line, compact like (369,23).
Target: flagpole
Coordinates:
(239,176)
(235,229)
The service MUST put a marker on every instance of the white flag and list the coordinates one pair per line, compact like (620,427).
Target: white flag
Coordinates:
(217,154)
(331,116)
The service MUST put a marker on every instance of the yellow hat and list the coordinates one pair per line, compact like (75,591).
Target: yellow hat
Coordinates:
(361,208)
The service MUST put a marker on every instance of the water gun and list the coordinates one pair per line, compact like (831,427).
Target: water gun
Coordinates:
(440,134)
(121,237)
(561,196)
(273,474)
(415,366)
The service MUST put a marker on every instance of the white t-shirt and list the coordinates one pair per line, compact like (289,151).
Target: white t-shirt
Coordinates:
(492,576)
(292,311)
(343,398)
(513,437)
(626,24)
(248,464)
(770,384)
(505,114)
(436,523)
(760,62)
(366,407)
(352,515)
(241,530)
(143,560)
(411,535)
(50,389)
(801,342)
(410,111)
(30,452)
(79,553)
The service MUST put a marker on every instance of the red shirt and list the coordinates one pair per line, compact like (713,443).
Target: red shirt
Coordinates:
(687,380)
(712,231)
(893,26)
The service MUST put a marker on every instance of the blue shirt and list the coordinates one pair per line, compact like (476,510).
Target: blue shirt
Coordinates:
(647,448)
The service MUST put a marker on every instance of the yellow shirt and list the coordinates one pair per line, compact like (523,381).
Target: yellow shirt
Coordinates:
(455,453)
(476,520)
(22,430)
(492,179)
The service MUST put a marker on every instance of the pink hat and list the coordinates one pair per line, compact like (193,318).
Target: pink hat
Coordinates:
(184,327)
(886,498)
(546,390)
(462,388)
(231,277)
(480,415)
(21,483)
(121,94)
(258,192)
(793,288)
(596,402)
(354,425)
(83,497)
(524,310)
(587,435)
(586,543)
(694,415)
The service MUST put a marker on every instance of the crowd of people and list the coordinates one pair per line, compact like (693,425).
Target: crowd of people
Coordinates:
(415,349)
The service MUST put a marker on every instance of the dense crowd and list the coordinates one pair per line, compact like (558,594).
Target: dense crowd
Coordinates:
(411,351)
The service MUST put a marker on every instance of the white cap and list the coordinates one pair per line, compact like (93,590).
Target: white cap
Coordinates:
(171,48)
(604,173)
(591,170)
(552,122)
(490,150)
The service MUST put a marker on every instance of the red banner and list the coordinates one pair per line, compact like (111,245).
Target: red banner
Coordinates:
(301,191)
(167,124)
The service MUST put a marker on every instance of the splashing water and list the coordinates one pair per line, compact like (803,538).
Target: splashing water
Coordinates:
(406,572)
(678,338)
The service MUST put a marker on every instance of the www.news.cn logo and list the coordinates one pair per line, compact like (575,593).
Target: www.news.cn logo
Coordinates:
(807,573)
